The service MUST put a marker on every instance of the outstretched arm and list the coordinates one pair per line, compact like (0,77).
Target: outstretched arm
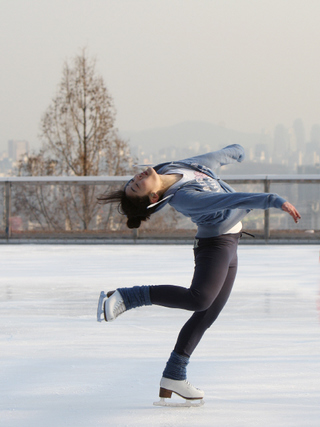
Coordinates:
(199,202)
(288,207)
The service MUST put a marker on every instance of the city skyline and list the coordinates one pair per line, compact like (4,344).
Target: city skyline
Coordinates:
(307,132)
(286,150)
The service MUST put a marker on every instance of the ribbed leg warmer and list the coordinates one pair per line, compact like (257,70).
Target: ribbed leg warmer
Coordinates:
(136,296)
(176,368)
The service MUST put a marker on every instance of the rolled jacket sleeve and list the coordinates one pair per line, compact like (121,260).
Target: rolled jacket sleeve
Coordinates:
(213,160)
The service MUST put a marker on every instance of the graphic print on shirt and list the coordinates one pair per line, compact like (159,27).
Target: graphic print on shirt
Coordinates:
(207,183)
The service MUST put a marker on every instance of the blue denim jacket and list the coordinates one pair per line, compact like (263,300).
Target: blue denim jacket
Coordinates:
(211,203)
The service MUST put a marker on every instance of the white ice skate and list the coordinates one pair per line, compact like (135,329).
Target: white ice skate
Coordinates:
(192,395)
(110,305)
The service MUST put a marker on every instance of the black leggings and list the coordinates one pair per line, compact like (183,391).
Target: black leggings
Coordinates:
(215,271)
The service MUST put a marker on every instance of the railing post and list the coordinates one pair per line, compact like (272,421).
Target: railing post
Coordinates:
(135,234)
(266,213)
(7,190)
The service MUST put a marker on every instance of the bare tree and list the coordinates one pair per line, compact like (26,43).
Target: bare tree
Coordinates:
(78,128)
(79,139)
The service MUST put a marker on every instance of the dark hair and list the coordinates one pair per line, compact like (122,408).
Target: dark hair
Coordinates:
(135,208)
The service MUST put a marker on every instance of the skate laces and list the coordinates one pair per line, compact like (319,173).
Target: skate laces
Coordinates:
(190,385)
(119,308)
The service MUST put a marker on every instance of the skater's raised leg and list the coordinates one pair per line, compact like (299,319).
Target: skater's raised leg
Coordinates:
(121,300)
(113,306)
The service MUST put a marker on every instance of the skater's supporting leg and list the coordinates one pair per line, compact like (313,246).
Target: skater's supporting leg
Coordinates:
(207,263)
(174,379)
(176,368)
(192,332)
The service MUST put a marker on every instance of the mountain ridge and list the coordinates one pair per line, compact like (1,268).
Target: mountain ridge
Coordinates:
(182,134)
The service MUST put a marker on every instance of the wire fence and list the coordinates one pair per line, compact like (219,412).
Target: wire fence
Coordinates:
(66,208)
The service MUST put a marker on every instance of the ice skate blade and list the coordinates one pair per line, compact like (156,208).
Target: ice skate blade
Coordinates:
(186,404)
(100,313)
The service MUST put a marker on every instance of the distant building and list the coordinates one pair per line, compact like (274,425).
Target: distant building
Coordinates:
(17,149)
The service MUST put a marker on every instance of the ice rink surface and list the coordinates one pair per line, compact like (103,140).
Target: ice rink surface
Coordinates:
(259,364)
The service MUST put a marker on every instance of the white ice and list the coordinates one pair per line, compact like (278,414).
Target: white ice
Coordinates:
(259,364)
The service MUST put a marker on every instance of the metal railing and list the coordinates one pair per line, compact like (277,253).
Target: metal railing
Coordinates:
(264,181)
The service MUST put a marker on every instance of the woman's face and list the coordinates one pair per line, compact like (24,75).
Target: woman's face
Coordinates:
(143,184)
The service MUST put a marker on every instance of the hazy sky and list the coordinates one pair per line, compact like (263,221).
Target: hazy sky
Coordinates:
(248,63)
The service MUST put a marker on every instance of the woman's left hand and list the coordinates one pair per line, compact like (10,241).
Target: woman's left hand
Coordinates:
(288,207)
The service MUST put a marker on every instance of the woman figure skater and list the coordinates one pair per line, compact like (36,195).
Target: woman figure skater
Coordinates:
(192,188)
